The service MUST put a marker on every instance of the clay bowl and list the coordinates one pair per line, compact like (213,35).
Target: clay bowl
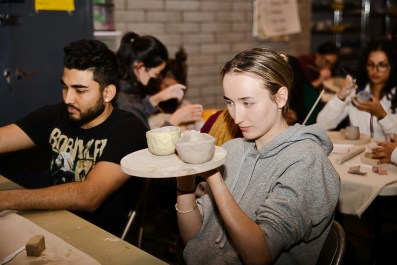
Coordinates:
(161,141)
(195,148)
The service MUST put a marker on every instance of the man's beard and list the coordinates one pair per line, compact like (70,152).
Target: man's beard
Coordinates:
(88,116)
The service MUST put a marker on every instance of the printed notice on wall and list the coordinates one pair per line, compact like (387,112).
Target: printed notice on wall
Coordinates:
(275,18)
(54,5)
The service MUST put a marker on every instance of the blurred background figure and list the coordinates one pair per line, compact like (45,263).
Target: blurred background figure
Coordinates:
(376,75)
(140,59)
(222,127)
(310,73)
(174,111)
(321,65)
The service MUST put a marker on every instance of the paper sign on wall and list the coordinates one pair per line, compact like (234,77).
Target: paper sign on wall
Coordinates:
(275,18)
(54,5)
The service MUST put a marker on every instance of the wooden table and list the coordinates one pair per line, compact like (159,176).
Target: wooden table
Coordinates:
(94,241)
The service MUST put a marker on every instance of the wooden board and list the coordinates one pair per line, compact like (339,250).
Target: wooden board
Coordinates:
(338,137)
(142,163)
(367,159)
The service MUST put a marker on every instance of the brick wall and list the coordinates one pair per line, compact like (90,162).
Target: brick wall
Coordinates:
(211,31)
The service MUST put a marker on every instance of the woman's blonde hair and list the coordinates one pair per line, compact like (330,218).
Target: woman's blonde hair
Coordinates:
(273,69)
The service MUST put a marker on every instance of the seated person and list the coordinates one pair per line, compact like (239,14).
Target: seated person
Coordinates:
(173,111)
(142,58)
(87,138)
(319,66)
(377,75)
(273,200)
(315,69)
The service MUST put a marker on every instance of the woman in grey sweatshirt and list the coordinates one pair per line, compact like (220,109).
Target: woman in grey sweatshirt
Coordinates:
(273,200)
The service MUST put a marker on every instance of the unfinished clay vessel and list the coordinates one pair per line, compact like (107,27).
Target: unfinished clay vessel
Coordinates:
(161,141)
(195,148)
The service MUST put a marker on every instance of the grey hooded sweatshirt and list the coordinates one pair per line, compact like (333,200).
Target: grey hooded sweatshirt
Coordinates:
(288,187)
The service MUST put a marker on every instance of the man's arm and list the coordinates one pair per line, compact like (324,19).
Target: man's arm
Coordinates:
(13,138)
(103,180)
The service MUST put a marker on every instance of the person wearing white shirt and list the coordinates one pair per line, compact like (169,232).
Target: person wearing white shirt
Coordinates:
(377,75)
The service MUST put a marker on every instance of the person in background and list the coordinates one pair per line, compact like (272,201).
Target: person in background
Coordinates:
(310,73)
(221,126)
(87,138)
(273,200)
(173,111)
(140,59)
(319,66)
(376,77)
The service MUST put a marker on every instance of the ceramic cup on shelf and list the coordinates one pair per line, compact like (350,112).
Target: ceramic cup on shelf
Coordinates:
(352,132)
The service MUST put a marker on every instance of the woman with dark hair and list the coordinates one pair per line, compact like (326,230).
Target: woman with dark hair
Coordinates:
(174,111)
(142,58)
(376,77)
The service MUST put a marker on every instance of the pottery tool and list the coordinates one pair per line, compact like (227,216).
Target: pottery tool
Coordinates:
(314,106)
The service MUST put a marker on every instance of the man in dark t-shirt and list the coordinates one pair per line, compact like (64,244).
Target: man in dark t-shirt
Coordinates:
(87,137)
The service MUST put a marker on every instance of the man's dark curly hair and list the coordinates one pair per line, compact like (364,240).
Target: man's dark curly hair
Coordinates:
(93,55)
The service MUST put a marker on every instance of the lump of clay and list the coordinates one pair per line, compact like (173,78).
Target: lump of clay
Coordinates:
(35,246)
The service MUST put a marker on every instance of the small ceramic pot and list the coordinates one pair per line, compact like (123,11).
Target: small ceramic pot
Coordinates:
(363,96)
(352,132)
(161,141)
(195,148)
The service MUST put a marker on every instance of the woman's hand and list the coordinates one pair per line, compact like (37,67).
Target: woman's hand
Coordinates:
(347,89)
(371,106)
(383,152)
(173,91)
(186,113)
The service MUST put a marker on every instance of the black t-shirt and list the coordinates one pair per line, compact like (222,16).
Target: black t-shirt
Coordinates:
(75,151)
